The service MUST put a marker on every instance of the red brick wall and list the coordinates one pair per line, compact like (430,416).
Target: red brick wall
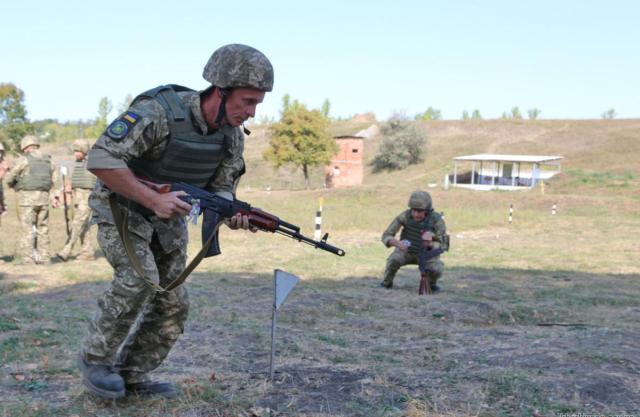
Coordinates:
(346,167)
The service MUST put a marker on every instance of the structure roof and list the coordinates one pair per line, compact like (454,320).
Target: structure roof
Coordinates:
(509,158)
(348,137)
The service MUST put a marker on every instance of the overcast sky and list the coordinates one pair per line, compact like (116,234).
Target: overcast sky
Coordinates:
(571,59)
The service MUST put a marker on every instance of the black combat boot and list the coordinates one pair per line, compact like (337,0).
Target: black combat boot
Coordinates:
(165,389)
(100,380)
(434,288)
(385,285)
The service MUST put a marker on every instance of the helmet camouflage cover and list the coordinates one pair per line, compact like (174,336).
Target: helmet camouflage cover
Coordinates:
(237,65)
(81,145)
(28,141)
(420,200)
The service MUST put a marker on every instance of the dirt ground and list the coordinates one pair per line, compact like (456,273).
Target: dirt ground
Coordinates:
(493,342)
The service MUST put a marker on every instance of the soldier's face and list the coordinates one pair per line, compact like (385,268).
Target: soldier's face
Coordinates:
(78,155)
(241,105)
(418,215)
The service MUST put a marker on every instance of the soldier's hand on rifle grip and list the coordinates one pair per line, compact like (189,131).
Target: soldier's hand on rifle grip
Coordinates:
(55,202)
(427,239)
(238,221)
(169,205)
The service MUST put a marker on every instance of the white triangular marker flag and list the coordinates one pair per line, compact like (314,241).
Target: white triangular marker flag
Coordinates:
(284,283)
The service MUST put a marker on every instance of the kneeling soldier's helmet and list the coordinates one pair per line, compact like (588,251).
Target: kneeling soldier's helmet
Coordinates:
(81,146)
(28,141)
(239,65)
(420,200)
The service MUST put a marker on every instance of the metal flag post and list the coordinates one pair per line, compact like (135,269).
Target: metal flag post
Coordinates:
(283,284)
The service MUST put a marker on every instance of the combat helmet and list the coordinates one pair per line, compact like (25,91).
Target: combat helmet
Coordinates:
(28,141)
(420,200)
(81,145)
(238,65)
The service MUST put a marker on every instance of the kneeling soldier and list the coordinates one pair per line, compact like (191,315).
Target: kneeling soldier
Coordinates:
(420,218)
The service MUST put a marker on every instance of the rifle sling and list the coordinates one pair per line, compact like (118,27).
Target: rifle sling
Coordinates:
(122,222)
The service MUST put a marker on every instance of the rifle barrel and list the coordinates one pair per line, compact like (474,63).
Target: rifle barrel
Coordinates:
(316,244)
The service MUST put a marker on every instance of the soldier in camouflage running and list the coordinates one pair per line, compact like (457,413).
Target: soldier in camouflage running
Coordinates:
(420,218)
(82,182)
(33,176)
(169,134)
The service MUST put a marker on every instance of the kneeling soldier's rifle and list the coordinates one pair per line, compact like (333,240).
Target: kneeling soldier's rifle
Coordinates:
(215,209)
(425,254)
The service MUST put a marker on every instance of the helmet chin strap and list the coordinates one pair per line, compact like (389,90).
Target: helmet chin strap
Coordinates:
(224,92)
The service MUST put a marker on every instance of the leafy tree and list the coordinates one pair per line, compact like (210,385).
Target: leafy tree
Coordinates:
(515,113)
(326,106)
(465,115)
(300,138)
(286,102)
(476,115)
(100,124)
(403,145)
(14,124)
(609,114)
(429,114)
(125,103)
(534,113)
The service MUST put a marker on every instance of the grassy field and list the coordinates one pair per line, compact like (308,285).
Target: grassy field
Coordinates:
(536,318)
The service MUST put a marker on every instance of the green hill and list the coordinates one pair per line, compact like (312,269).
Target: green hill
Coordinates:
(600,153)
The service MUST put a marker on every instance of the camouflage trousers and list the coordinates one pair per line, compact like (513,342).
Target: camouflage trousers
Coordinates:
(135,327)
(398,258)
(79,231)
(34,242)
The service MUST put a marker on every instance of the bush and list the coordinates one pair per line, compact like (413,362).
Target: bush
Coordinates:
(403,145)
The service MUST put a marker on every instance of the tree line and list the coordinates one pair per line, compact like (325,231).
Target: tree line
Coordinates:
(15,123)
(300,139)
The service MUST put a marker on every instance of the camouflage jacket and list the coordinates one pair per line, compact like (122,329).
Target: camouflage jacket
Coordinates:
(148,139)
(32,198)
(434,221)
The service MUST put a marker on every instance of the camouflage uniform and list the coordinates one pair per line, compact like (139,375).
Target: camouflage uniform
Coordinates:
(161,246)
(82,182)
(412,230)
(34,208)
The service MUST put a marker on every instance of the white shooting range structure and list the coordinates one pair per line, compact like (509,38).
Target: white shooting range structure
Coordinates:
(503,172)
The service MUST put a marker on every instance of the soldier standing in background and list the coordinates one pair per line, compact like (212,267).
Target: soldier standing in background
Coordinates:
(4,168)
(82,182)
(169,134)
(420,218)
(33,176)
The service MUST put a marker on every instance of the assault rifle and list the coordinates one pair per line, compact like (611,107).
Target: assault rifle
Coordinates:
(425,254)
(63,174)
(215,209)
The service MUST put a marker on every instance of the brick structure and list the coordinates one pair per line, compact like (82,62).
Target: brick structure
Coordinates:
(346,167)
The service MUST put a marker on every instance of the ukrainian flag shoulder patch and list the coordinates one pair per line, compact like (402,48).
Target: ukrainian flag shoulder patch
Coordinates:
(121,127)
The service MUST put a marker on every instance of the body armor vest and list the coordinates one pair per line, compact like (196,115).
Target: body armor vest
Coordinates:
(38,177)
(412,230)
(81,177)
(189,156)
